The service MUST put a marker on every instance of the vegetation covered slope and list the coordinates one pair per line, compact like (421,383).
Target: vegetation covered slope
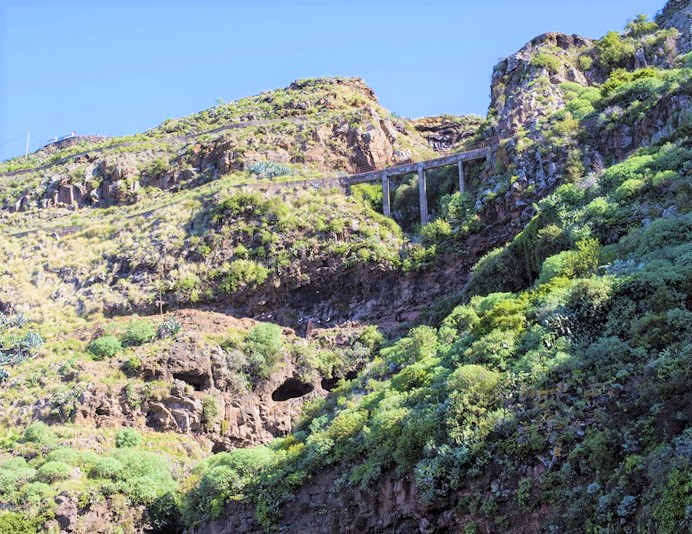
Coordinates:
(567,399)
(548,391)
(555,398)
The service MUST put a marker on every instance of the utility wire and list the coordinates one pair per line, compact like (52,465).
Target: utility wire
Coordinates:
(12,140)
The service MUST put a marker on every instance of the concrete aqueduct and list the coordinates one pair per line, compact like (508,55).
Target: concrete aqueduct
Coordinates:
(383,175)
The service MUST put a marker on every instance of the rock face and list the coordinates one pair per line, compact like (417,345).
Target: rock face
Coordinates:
(623,137)
(197,371)
(519,97)
(92,518)
(447,132)
(393,505)
(525,93)
(369,140)
(525,96)
(678,14)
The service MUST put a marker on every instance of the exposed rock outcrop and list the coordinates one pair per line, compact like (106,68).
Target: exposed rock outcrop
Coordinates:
(519,96)
(195,371)
(448,132)
(678,14)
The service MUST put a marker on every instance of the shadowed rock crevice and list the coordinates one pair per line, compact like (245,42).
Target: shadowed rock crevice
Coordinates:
(198,381)
(291,389)
(329,384)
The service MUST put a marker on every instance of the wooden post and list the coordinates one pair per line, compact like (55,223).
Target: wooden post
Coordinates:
(461,176)
(386,207)
(423,196)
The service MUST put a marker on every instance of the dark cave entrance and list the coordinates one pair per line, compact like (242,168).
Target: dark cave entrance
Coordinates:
(291,389)
(198,381)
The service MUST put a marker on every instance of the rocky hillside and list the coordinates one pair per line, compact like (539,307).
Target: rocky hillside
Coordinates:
(313,128)
(202,331)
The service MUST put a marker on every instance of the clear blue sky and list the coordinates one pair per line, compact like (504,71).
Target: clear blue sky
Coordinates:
(117,68)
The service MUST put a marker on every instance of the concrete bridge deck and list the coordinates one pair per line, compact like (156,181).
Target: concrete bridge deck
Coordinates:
(420,167)
(406,168)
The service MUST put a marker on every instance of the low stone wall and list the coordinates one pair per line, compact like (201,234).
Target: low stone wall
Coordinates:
(71,141)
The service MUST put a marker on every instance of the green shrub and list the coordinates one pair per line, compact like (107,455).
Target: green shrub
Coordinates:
(107,468)
(37,493)
(38,432)
(613,51)
(572,263)
(145,475)
(671,511)
(133,364)
(138,332)
(507,314)
(346,425)
(641,26)
(419,257)
(163,513)
(238,205)
(579,109)
(496,349)
(544,60)
(415,375)
(629,189)
(104,347)
(244,274)
(419,345)
(634,167)
(53,472)
(210,413)
(157,167)
(76,458)
(16,523)
(599,208)
(585,63)
(223,476)
(456,208)
(621,77)
(660,234)
(187,288)
(264,347)
(264,338)
(14,473)
(664,178)
(371,194)
(435,231)
(127,437)
(686,61)
(598,453)
(473,378)
(371,337)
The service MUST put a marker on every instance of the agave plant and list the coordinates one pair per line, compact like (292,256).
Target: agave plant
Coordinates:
(19,320)
(270,169)
(169,328)
(31,343)
(6,359)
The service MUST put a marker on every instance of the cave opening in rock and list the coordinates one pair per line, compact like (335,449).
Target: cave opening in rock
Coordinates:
(291,389)
(199,382)
(329,384)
